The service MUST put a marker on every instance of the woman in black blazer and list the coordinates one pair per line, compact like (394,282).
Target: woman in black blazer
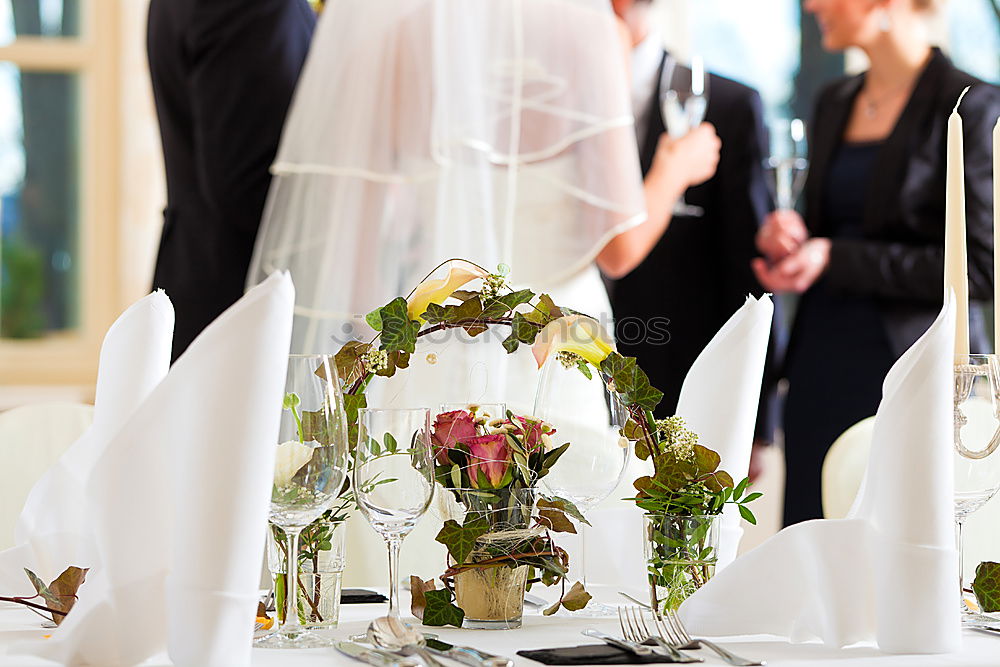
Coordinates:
(869,257)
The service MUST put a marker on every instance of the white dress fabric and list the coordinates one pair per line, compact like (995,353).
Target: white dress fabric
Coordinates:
(178,498)
(888,572)
(424,130)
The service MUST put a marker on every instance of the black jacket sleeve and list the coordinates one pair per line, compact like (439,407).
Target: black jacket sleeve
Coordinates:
(913,270)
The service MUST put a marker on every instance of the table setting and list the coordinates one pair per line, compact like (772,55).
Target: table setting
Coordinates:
(154,526)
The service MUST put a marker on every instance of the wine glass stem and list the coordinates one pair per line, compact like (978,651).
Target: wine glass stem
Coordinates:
(583,553)
(393,544)
(961,569)
(291,625)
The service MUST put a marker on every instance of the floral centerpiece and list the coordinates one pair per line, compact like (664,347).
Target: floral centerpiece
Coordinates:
(683,501)
(498,527)
(686,481)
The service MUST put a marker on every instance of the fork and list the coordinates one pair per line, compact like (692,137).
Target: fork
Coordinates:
(670,625)
(634,630)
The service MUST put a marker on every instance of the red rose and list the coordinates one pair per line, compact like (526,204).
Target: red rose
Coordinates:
(449,429)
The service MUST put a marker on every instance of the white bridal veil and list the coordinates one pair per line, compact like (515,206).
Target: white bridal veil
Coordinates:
(493,130)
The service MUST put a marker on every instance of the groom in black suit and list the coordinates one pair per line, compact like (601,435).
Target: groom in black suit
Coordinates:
(223,72)
(699,273)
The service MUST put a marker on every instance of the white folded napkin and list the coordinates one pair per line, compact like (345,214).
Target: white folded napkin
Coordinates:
(888,572)
(720,396)
(53,530)
(179,500)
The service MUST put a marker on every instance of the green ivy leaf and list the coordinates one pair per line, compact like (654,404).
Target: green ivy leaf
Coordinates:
(461,539)
(399,332)
(986,586)
(353,403)
(502,305)
(396,360)
(705,460)
(374,319)
(440,610)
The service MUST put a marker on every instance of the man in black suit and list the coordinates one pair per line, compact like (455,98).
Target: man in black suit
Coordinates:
(699,272)
(223,73)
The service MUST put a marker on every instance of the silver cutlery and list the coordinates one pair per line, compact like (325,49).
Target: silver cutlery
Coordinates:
(638,602)
(534,601)
(625,645)
(466,654)
(634,630)
(669,624)
(390,633)
(992,629)
(374,656)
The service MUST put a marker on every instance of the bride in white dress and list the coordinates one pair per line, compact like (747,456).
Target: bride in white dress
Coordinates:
(498,131)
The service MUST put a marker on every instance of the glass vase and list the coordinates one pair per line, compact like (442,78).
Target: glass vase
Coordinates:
(681,554)
(321,567)
(493,597)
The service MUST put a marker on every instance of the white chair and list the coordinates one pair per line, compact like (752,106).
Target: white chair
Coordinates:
(844,468)
(32,438)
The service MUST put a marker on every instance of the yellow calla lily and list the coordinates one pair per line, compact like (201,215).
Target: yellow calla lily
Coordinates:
(437,290)
(578,334)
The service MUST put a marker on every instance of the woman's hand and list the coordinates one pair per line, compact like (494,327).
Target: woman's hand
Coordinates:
(691,160)
(796,272)
(781,234)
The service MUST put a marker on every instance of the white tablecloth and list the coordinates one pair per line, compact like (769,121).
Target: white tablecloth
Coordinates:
(978,649)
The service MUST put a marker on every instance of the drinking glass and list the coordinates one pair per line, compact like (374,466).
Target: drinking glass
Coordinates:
(588,416)
(393,478)
(683,107)
(977,440)
(787,166)
(309,473)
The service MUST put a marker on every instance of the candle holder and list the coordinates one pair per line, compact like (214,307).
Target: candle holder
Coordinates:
(976,420)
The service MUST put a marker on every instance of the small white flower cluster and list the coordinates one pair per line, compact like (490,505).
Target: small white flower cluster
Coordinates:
(375,360)
(681,441)
(492,284)
(568,359)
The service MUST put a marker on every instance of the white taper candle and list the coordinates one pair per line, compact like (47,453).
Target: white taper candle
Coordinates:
(956,272)
(996,237)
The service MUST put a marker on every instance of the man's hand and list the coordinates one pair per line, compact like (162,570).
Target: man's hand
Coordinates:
(690,160)
(781,234)
(796,272)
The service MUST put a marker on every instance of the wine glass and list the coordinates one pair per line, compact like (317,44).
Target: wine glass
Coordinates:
(589,417)
(393,478)
(683,107)
(787,166)
(309,473)
(977,441)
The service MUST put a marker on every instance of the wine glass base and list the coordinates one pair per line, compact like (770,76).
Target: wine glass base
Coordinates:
(303,639)
(592,610)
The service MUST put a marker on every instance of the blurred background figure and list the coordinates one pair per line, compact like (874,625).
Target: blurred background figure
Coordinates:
(868,257)
(698,274)
(223,75)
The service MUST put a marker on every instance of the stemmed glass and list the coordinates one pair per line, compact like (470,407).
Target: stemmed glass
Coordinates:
(977,441)
(589,417)
(309,473)
(393,478)
(787,166)
(683,108)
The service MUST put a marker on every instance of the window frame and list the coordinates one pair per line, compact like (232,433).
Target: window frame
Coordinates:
(70,357)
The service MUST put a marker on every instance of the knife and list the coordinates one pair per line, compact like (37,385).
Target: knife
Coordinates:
(374,656)
(467,655)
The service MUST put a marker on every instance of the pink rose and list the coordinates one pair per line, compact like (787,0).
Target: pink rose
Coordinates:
(489,454)
(449,429)
(531,432)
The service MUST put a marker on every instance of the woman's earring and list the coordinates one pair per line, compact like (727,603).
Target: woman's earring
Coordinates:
(884,21)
